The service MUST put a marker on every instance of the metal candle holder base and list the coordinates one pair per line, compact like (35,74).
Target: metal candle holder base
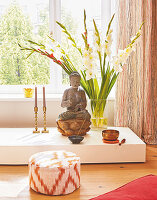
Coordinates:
(45,129)
(36,120)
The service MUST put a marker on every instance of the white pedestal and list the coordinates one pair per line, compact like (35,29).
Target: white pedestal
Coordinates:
(18,144)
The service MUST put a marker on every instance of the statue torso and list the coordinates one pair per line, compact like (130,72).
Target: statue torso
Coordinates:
(74,96)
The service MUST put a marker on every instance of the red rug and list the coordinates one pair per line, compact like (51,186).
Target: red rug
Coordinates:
(144,188)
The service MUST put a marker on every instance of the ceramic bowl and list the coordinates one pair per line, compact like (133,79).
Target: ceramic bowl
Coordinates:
(75,139)
(110,134)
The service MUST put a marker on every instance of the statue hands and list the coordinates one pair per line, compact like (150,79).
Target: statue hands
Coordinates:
(78,107)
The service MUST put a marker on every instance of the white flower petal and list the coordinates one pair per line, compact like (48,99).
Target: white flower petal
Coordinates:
(117,68)
(89,74)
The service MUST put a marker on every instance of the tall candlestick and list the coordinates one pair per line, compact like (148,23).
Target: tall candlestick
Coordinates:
(36,120)
(35,96)
(44,101)
(45,129)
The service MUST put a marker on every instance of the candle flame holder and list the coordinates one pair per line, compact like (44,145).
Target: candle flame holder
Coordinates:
(44,113)
(36,120)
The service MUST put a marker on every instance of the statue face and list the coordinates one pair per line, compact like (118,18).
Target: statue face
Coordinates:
(75,81)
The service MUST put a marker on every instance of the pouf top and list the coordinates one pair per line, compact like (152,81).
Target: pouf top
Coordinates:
(53,159)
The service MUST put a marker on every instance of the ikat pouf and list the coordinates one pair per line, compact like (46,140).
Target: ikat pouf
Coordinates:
(54,172)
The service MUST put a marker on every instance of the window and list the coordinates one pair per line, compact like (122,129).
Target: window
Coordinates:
(22,20)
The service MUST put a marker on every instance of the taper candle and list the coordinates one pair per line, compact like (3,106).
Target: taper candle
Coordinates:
(35,96)
(44,101)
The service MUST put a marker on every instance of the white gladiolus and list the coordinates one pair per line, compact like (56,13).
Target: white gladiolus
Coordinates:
(109,37)
(124,54)
(110,31)
(117,68)
(89,62)
(97,46)
(91,57)
(128,50)
(122,57)
(133,47)
(115,61)
(90,50)
(85,54)
(89,74)
(107,49)
(116,64)
(56,48)
(108,43)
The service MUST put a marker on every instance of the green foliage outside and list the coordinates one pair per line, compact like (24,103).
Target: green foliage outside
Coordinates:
(15,69)
(16,28)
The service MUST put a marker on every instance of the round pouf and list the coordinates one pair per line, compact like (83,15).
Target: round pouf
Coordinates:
(54,172)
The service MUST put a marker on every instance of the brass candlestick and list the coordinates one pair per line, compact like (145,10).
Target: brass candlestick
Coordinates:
(36,120)
(44,112)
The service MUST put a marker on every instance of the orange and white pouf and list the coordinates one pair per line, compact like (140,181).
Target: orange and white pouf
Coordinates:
(54,172)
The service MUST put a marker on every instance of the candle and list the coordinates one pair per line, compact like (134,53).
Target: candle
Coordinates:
(35,96)
(44,101)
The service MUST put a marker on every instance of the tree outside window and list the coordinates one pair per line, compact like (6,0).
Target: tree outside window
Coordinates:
(15,28)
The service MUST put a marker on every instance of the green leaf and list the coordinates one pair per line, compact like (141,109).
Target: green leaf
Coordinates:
(68,65)
(61,25)
(105,85)
(38,44)
(85,27)
(109,25)
(141,25)
(112,82)
(69,37)
(108,68)
(104,63)
(85,41)
(97,32)
(30,54)
(51,38)
(96,85)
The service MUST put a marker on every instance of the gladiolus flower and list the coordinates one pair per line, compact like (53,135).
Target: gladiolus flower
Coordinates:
(59,61)
(51,55)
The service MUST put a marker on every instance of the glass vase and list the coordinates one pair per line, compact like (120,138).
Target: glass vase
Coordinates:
(99,114)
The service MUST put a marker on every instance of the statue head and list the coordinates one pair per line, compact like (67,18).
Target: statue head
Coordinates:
(75,79)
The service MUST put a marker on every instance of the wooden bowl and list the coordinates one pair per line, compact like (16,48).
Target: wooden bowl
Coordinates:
(110,134)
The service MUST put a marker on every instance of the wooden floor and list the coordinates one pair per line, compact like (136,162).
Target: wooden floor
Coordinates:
(95,179)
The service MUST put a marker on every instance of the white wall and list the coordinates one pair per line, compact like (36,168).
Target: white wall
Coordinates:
(20,113)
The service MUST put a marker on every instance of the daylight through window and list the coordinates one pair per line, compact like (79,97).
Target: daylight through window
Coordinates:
(22,20)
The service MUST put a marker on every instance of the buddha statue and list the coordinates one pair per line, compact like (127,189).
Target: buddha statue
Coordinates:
(76,117)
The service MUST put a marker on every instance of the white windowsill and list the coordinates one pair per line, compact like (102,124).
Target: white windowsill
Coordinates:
(49,97)
(20,97)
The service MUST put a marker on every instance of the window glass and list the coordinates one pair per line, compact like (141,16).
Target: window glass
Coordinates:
(22,20)
(72,16)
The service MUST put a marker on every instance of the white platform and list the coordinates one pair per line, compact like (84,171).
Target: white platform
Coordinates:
(18,144)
